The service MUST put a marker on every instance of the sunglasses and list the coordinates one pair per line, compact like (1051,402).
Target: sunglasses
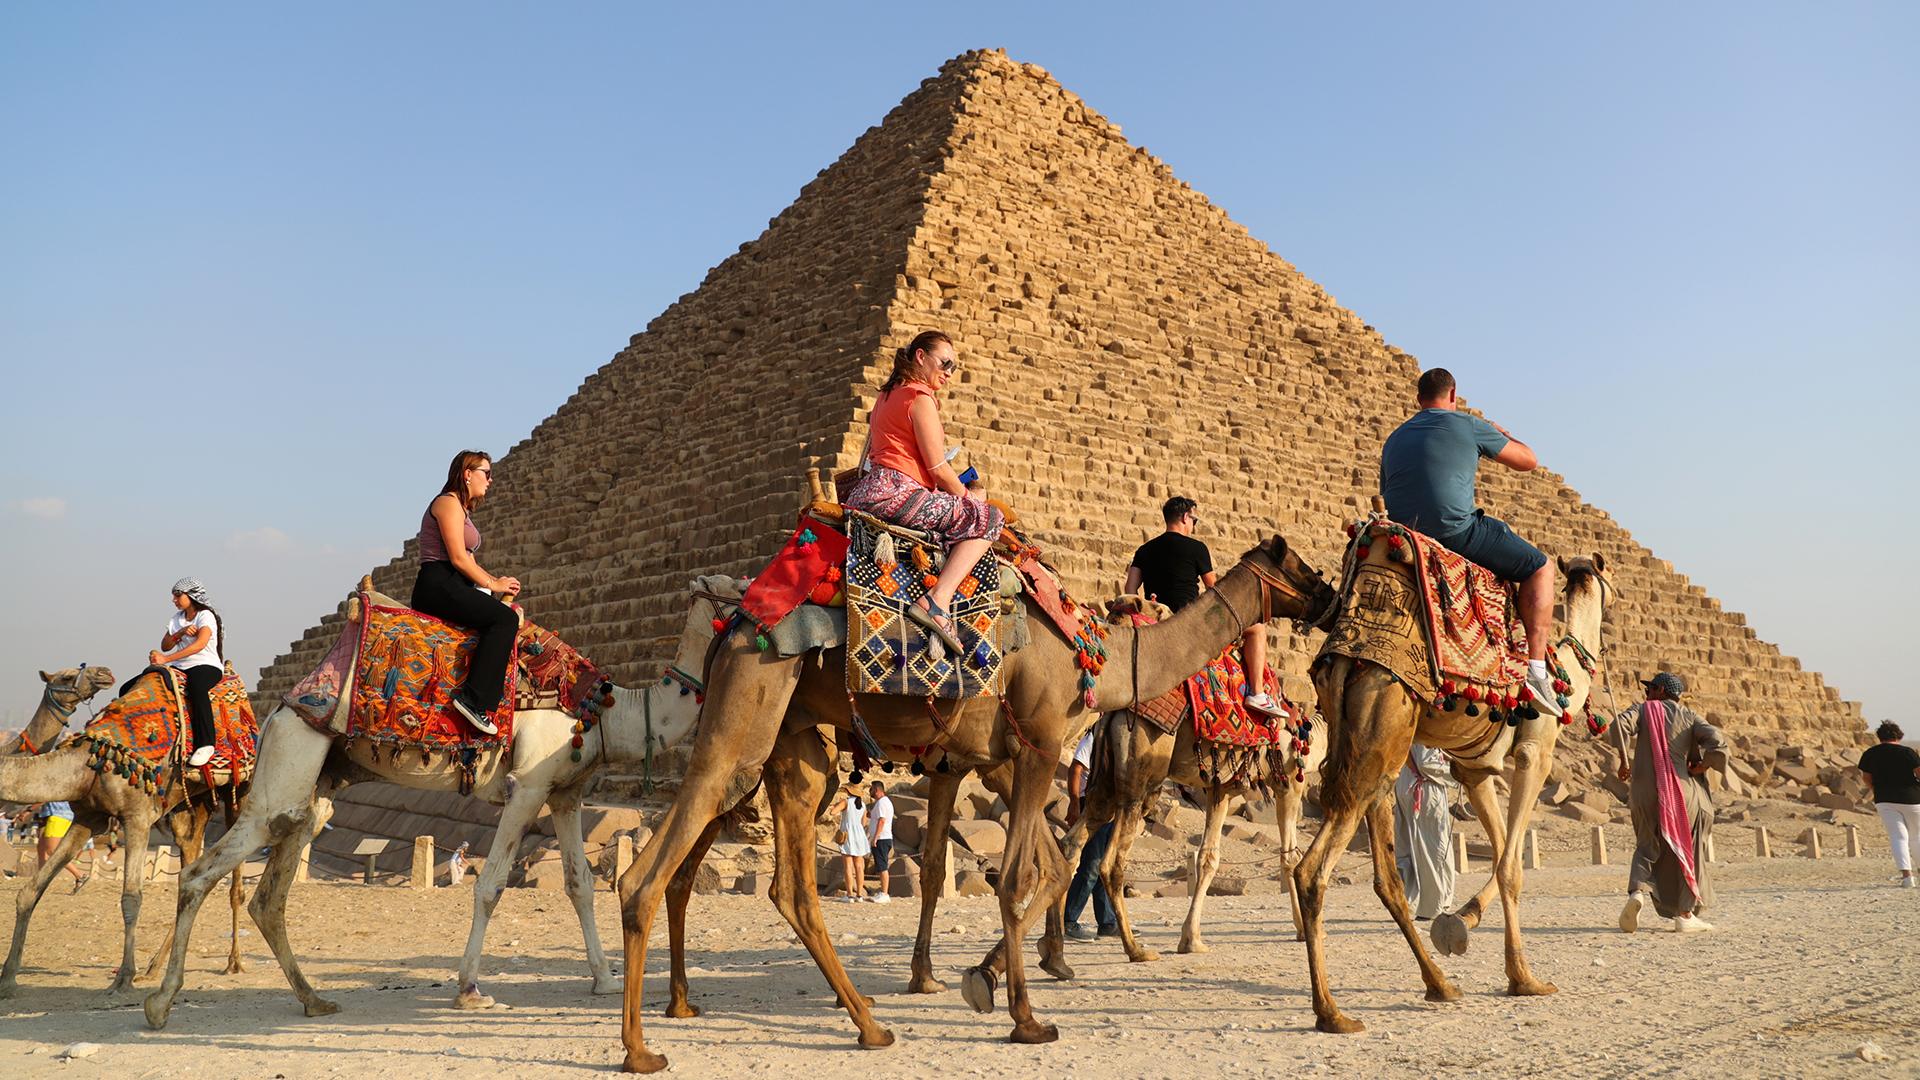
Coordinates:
(950,365)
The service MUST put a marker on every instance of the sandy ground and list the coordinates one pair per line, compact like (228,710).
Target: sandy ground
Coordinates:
(1812,959)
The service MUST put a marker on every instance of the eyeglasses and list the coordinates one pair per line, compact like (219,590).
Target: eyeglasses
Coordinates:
(488,473)
(950,364)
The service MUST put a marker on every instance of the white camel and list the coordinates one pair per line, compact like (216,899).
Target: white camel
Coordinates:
(297,765)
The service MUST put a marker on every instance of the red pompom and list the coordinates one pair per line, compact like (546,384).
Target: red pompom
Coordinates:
(930,581)
(1395,540)
(578,741)
(719,626)
(1471,693)
(1364,551)
(1446,686)
(1352,530)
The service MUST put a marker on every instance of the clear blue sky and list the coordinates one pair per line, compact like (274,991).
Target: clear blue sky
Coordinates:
(262,269)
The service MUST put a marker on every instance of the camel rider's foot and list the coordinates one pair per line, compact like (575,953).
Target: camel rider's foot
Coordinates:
(1265,705)
(201,755)
(1630,914)
(935,618)
(1540,681)
(1690,924)
(473,716)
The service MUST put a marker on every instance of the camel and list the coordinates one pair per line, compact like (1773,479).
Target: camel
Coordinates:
(66,689)
(765,716)
(1373,720)
(1138,758)
(298,766)
(64,775)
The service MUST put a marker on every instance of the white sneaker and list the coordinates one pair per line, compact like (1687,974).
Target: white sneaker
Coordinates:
(1909,883)
(1264,704)
(201,755)
(1545,697)
(879,898)
(1690,924)
(475,717)
(1630,914)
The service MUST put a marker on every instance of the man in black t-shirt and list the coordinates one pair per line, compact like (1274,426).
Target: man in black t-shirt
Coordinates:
(1174,568)
(1893,772)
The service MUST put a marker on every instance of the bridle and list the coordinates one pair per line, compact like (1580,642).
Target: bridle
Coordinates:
(49,701)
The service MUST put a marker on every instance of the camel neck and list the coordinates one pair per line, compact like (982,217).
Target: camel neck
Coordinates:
(1584,613)
(54,777)
(44,729)
(1169,652)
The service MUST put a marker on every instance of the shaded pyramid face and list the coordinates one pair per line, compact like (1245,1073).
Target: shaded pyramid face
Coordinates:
(1121,340)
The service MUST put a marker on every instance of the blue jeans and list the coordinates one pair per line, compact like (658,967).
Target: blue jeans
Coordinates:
(1086,882)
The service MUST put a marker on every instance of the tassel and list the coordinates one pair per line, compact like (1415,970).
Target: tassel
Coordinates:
(883,550)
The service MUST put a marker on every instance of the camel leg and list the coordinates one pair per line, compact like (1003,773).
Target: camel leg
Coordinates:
(1450,932)
(1190,941)
(1113,874)
(189,824)
(1029,884)
(286,833)
(29,897)
(796,780)
(516,817)
(133,863)
(1287,807)
(280,803)
(1053,934)
(236,893)
(942,790)
(679,891)
(1530,760)
(578,874)
(1393,893)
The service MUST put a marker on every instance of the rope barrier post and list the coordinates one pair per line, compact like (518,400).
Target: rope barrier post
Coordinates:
(622,858)
(1762,845)
(1853,841)
(152,869)
(366,876)
(1531,852)
(422,876)
(1813,842)
(1459,853)
(1599,846)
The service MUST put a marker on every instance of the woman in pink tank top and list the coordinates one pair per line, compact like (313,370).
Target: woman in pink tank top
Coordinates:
(454,587)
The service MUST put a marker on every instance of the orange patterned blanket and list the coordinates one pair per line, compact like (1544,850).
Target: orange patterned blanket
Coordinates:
(405,673)
(142,736)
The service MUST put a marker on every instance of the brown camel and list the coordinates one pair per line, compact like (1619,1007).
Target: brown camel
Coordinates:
(757,700)
(65,690)
(1373,719)
(63,775)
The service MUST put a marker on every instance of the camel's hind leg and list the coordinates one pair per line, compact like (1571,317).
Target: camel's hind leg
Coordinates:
(942,789)
(515,818)
(1288,801)
(237,892)
(188,821)
(286,834)
(1530,759)
(1450,931)
(578,875)
(679,891)
(1190,941)
(1030,882)
(796,780)
(29,897)
(1393,893)
(137,824)
(1113,873)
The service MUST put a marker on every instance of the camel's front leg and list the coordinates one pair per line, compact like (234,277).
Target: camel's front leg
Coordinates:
(188,820)
(1287,811)
(136,826)
(1113,873)
(1190,941)
(1030,883)
(515,818)
(1530,760)
(1393,893)
(29,897)
(1450,932)
(796,783)
(679,891)
(578,874)
(237,899)
(942,789)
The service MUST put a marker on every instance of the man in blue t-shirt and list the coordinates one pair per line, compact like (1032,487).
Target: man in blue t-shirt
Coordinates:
(1427,469)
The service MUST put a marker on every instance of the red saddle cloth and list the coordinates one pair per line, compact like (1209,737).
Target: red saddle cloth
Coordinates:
(143,734)
(807,568)
(1217,694)
(1473,624)
(405,674)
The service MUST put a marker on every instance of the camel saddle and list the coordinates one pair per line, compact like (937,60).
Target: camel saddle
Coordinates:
(144,736)
(888,569)
(1446,628)
(1214,697)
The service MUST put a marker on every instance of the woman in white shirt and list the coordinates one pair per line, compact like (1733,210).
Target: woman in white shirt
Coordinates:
(853,849)
(193,644)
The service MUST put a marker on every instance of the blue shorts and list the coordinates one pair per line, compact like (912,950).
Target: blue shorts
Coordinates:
(882,855)
(1490,543)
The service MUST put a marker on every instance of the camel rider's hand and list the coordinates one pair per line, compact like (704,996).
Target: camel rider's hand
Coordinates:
(1626,773)
(154,658)
(506,585)
(1696,768)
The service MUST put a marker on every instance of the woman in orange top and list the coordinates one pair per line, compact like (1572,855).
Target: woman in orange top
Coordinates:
(907,480)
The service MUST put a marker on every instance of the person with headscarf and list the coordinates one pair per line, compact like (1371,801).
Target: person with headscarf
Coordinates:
(1423,830)
(193,644)
(1670,748)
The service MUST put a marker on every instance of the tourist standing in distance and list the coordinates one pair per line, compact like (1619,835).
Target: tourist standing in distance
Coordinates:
(453,586)
(193,644)
(1665,750)
(1174,568)
(1893,773)
(853,846)
(55,819)
(906,479)
(1423,830)
(880,828)
(1427,470)
(1086,876)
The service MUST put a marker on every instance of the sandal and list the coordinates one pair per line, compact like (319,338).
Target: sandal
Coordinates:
(931,617)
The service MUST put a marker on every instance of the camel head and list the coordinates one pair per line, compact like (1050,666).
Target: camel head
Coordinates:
(1290,588)
(68,687)
(1586,578)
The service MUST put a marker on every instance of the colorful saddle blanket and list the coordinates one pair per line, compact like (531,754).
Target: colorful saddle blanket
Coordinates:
(143,734)
(1445,627)
(889,653)
(1217,694)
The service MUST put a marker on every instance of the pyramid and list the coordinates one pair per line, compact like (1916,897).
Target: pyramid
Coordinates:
(1110,322)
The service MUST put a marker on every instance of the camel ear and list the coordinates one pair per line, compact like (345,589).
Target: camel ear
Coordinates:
(1599,562)
(44,677)
(1561,562)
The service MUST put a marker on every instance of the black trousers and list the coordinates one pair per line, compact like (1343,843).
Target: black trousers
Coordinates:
(445,593)
(200,681)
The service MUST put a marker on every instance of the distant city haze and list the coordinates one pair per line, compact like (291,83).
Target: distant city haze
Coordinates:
(263,271)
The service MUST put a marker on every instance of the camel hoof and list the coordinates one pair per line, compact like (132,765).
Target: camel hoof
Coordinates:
(1056,966)
(1443,992)
(1195,947)
(234,968)
(1449,934)
(608,985)
(976,988)
(321,1007)
(882,1039)
(472,998)
(925,984)
(1144,956)
(7,989)
(643,1061)
(158,1005)
(1033,1032)
(682,1010)
(1531,988)
(1339,1024)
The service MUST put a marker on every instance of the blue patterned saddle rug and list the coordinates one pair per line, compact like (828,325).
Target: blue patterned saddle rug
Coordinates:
(889,653)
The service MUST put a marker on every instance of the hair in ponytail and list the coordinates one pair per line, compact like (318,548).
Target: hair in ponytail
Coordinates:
(219,628)
(906,357)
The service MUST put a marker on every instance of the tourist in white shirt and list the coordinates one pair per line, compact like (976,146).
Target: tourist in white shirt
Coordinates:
(853,846)
(193,644)
(880,827)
